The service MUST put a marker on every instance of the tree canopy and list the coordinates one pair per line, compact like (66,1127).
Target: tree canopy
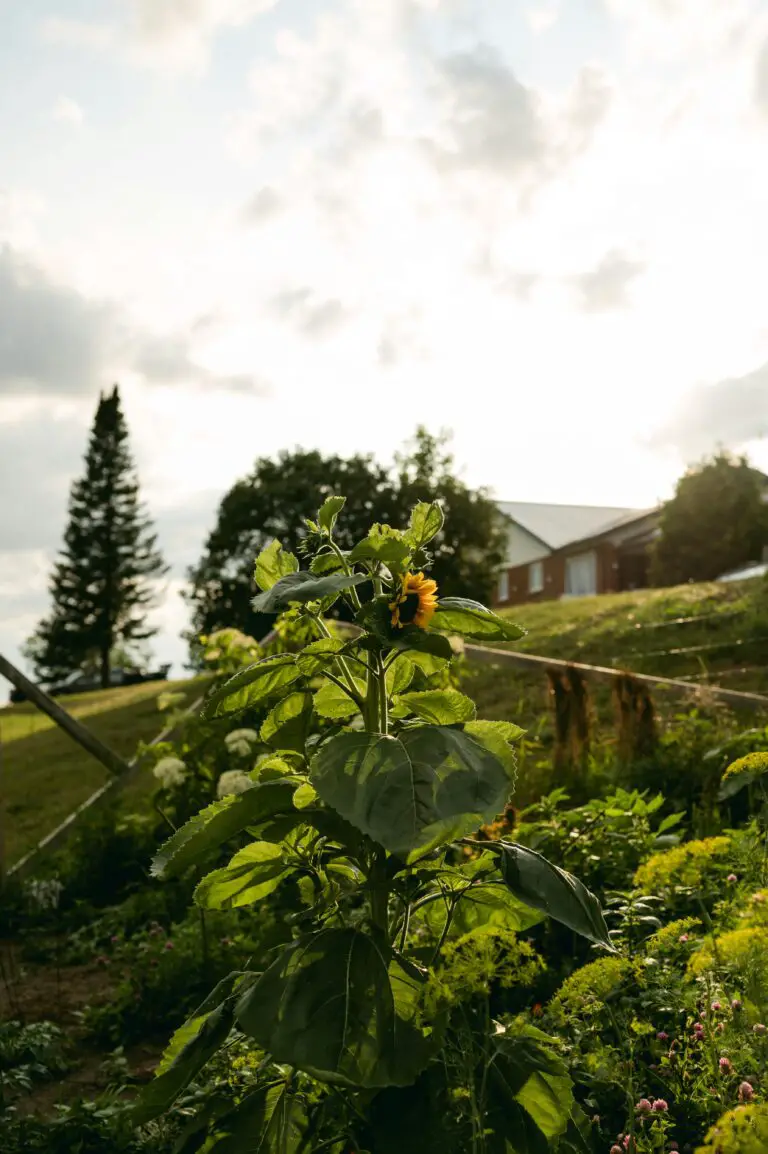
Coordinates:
(274,500)
(716,521)
(102,584)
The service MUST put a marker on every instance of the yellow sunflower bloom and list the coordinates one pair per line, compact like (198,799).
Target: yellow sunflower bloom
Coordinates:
(416,601)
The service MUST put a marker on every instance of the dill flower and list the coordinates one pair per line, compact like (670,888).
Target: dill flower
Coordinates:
(683,865)
(415,602)
(586,990)
(669,937)
(743,1130)
(737,951)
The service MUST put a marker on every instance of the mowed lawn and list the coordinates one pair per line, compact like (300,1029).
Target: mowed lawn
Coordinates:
(44,774)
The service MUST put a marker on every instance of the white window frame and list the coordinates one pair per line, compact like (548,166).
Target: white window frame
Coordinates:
(536,577)
(503,590)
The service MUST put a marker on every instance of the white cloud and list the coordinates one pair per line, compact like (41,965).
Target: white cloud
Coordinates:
(164,34)
(542,17)
(67,111)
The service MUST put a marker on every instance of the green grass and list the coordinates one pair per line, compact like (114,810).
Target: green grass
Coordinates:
(45,774)
(715,632)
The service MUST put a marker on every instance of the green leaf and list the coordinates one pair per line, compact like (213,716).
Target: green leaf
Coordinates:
(269,1120)
(529,1095)
(382,544)
(287,725)
(326,1006)
(410,638)
(471,619)
(252,686)
(332,702)
(497,737)
(439,706)
(399,675)
(741,773)
(428,663)
(425,523)
(252,873)
(546,887)
(303,587)
(305,795)
(327,562)
(319,655)
(329,511)
(272,564)
(484,900)
(190,1048)
(218,822)
(412,791)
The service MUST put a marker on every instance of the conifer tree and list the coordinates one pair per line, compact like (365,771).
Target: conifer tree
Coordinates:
(102,584)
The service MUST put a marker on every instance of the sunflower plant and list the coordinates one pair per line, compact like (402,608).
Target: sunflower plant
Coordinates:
(379,775)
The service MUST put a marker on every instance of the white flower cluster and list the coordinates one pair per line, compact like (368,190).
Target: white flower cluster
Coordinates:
(239,741)
(45,892)
(170,771)
(232,781)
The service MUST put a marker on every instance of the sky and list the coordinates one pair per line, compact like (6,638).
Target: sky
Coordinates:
(282,223)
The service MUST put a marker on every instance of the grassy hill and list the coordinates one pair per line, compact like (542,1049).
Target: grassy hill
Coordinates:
(715,632)
(44,774)
(696,632)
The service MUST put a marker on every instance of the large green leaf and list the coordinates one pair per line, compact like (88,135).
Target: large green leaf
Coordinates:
(272,564)
(471,619)
(220,821)
(418,789)
(269,1120)
(190,1048)
(497,736)
(287,725)
(333,703)
(252,686)
(439,706)
(326,1006)
(329,511)
(254,872)
(425,523)
(546,887)
(302,587)
(382,544)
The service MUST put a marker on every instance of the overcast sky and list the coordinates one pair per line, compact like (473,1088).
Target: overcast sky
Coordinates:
(287,222)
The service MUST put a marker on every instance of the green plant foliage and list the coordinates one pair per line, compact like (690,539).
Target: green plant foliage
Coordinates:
(287,726)
(546,887)
(254,872)
(327,1006)
(439,706)
(252,686)
(272,564)
(471,619)
(397,940)
(221,821)
(429,783)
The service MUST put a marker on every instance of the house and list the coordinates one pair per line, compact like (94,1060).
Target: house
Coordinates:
(573,550)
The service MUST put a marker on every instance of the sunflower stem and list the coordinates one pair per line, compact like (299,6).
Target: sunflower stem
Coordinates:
(340,662)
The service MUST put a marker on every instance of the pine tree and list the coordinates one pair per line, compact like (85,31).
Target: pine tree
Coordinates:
(101,585)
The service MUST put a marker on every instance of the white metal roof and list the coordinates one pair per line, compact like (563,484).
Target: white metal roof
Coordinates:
(558,525)
(756,570)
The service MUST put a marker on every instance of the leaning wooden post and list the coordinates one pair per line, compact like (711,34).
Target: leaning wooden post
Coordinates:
(108,758)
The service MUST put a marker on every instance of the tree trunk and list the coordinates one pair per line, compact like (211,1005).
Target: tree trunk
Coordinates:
(105,666)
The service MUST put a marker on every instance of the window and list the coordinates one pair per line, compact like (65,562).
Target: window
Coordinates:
(504,585)
(581,575)
(536,577)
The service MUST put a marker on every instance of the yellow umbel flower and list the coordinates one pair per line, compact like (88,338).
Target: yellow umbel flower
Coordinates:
(683,865)
(416,601)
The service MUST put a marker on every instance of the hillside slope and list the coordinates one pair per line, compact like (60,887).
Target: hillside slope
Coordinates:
(712,631)
(44,774)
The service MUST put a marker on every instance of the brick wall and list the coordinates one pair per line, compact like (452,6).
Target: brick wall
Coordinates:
(608,576)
